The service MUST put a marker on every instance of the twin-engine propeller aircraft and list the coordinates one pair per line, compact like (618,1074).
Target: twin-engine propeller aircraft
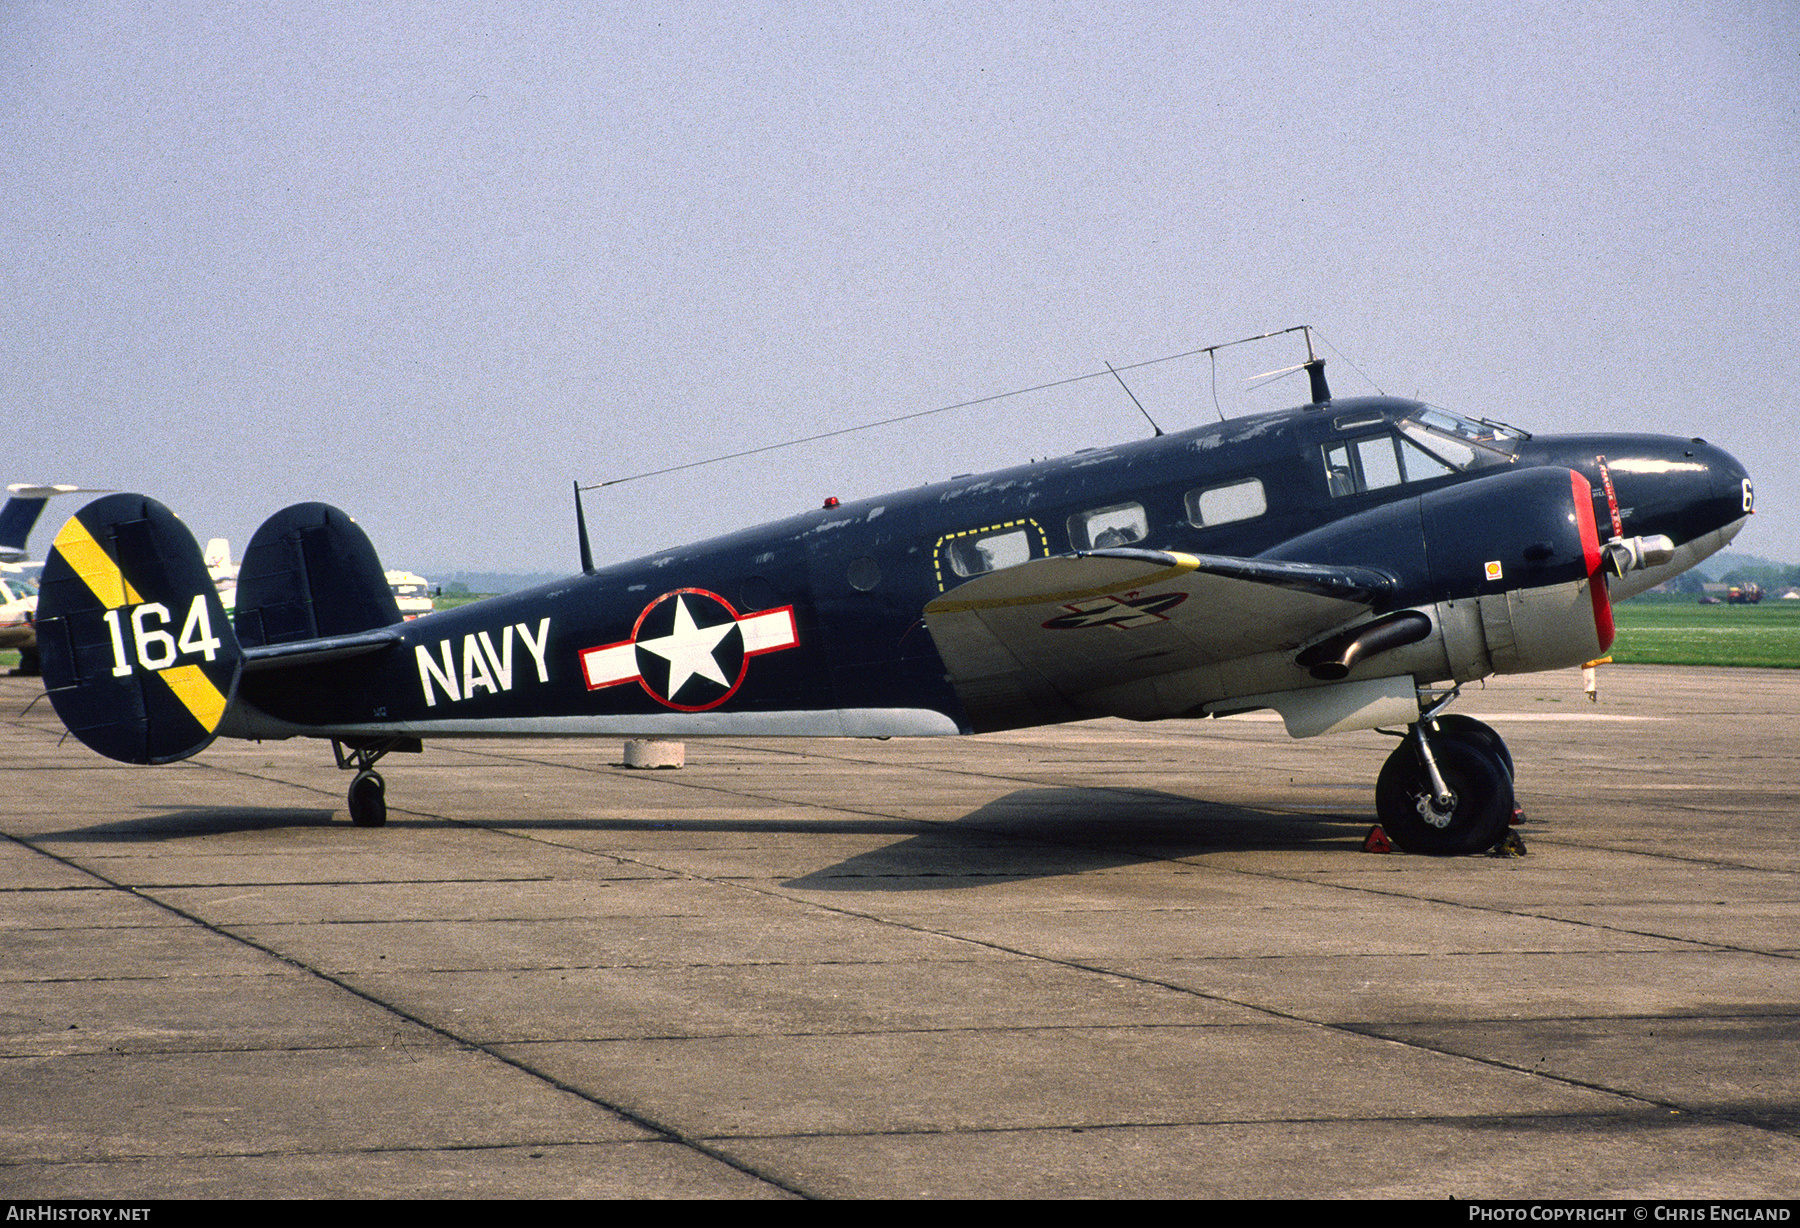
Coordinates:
(1348,563)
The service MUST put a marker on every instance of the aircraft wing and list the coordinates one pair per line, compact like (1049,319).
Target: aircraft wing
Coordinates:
(1044,634)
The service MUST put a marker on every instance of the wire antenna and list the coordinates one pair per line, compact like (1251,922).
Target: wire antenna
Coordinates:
(1313,365)
(1212,354)
(923,413)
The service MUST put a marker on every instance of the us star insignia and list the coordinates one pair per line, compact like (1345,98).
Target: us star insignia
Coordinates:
(690,649)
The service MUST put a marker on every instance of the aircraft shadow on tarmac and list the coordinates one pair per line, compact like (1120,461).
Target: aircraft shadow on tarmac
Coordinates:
(1045,833)
(1029,833)
(199,821)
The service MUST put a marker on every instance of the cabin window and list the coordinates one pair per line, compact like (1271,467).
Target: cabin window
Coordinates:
(975,552)
(1244,500)
(972,556)
(1122,524)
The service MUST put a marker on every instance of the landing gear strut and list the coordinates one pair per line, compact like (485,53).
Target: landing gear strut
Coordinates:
(1448,786)
(368,791)
(1456,725)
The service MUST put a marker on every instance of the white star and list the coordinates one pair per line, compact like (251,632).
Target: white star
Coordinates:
(689,649)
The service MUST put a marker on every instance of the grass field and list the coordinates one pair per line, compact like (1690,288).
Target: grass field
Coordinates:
(1694,634)
(453,600)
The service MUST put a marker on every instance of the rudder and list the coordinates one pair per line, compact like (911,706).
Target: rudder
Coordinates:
(139,658)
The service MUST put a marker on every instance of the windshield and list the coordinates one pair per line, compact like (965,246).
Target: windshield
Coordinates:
(1462,443)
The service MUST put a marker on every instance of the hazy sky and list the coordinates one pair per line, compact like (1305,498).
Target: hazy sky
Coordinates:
(433,262)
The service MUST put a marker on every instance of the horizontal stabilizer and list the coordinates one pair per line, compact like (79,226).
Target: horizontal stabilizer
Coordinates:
(310,573)
(1033,640)
(139,658)
(319,652)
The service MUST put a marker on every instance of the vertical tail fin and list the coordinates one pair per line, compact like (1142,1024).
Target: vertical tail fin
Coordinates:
(310,572)
(139,658)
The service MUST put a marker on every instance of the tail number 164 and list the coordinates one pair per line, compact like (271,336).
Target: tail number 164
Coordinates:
(156,648)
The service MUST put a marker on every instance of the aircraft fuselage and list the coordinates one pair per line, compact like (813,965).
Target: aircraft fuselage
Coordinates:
(812,624)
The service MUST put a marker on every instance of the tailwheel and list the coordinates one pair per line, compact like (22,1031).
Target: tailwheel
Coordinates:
(1467,807)
(1456,725)
(368,791)
(368,799)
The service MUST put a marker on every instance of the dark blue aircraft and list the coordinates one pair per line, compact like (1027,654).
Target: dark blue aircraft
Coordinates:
(1348,564)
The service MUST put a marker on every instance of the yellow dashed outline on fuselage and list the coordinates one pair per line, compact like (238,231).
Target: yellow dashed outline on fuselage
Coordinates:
(1026,522)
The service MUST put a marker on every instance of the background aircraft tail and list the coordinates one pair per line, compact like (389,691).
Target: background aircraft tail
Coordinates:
(20,515)
(310,572)
(139,658)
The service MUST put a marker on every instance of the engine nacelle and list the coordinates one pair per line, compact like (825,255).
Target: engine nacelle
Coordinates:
(1508,567)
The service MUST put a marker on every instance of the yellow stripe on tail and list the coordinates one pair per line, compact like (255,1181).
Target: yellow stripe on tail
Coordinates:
(89,560)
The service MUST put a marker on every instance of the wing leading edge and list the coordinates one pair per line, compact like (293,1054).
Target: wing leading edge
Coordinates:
(1097,633)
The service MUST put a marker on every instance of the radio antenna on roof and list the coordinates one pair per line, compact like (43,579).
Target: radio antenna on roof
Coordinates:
(1134,400)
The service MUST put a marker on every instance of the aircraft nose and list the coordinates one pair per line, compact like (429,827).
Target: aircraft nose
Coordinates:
(1682,488)
(1731,481)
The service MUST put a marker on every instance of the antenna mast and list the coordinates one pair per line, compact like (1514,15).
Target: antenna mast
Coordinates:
(1314,366)
(587,555)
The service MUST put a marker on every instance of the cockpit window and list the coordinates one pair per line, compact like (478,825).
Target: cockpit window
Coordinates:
(1429,443)
(1455,452)
(1375,462)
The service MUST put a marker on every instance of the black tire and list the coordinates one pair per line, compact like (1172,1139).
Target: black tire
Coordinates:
(1456,725)
(1478,816)
(368,799)
(30,664)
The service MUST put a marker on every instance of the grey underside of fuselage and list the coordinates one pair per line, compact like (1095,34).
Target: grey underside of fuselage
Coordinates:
(247,722)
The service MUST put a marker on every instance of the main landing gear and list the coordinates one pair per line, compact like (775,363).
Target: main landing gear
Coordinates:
(368,791)
(1448,786)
